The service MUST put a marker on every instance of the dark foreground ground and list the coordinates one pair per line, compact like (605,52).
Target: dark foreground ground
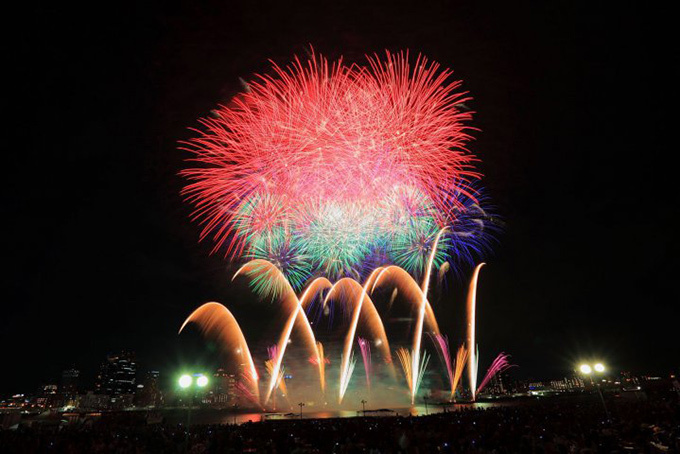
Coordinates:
(550,426)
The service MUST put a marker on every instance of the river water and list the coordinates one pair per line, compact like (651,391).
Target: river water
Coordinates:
(212,416)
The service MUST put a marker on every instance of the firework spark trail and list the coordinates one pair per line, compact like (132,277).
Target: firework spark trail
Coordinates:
(299,314)
(244,387)
(471,335)
(442,344)
(500,364)
(351,294)
(346,156)
(405,360)
(393,297)
(418,335)
(362,309)
(365,347)
(295,307)
(351,363)
(410,289)
(414,377)
(269,364)
(281,382)
(215,319)
(267,280)
(377,326)
(321,359)
(421,370)
(443,269)
(461,358)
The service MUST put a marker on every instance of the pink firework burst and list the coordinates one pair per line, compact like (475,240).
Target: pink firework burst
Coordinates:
(499,365)
(365,347)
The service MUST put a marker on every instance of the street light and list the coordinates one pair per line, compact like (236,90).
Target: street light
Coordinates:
(599,367)
(586,369)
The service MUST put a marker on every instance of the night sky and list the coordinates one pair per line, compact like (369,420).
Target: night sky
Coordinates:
(100,254)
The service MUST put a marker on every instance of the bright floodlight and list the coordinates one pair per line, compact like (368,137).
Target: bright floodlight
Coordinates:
(202,381)
(599,367)
(585,369)
(185,381)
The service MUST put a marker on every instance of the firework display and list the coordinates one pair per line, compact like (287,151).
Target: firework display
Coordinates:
(326,168)
(334,182)
(214,318)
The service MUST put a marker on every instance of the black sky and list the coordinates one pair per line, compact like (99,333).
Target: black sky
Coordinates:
(572,102)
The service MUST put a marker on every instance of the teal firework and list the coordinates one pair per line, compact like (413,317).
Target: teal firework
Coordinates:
(337,241)
(286,252)
(411,247)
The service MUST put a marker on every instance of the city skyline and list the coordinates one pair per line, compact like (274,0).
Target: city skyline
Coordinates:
(119,385)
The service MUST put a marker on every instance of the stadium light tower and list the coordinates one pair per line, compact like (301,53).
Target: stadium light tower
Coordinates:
(185,382)
(587,369)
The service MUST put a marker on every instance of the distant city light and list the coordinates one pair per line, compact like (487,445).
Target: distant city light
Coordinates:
(585,369)
(185,381)
(202,381)
(599,367)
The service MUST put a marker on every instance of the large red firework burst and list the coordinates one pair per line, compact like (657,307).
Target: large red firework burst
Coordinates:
(361,148)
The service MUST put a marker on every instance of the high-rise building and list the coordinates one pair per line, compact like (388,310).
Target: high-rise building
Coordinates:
(148,392)
(117,375)
(92,401)
(48,397)
(496,386)
(223,389)
(70,380)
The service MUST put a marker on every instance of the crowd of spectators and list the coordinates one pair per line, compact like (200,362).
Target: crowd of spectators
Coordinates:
(549,426)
